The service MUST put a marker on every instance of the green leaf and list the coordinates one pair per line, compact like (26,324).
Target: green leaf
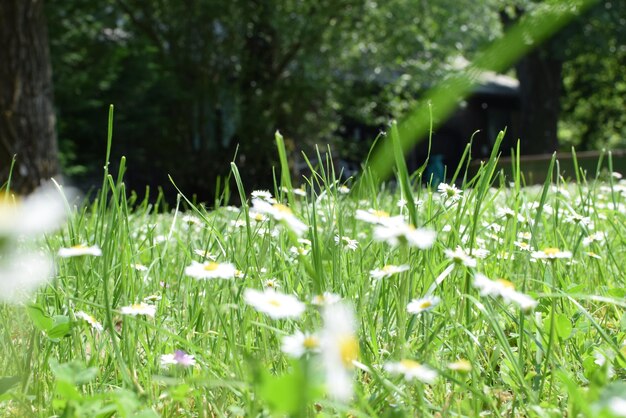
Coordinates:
(7,383)
(40,319)
(74,372)
(563,326)
(61,327)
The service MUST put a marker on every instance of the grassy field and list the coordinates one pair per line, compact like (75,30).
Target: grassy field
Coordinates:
(331,299)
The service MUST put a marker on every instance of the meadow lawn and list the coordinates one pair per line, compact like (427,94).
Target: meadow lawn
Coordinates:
(334,298)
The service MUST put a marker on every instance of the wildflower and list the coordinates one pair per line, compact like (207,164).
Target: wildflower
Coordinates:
(139,309)
(299,343)
(152,298)
(280,213)
(395,232)
(595,237)
(412,370)
(462,365)
(343,189)
(449,192)
(276,305)
(340,350)
(21,273)
(204,254)
(504,289)
(179,358)
(387,271)
(524,246)
(271,283)
(550,254)
(263,195)
(297,251)
(373,216)
(80,250)
(210,270)
(139,267)
(417,306)
(90,320)
(327,298)
(191,219)
(617,406)
(256,216)
(347,242)
(459,256)
(41,212)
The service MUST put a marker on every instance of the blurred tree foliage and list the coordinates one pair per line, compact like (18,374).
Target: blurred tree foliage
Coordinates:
(192,80)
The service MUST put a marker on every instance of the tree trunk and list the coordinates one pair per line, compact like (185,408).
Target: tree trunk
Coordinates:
(27,121)
(540,80)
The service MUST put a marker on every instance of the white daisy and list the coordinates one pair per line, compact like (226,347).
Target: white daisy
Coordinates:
(139,309)
(80,250)
(396,232)
(373,216)
(327,298)
(211,270)
(459,256)
(450,192)
(299,343)
(387,271)
(347,242)
(90,319)
(276,305)
(417,306)
(551,254)
(504,289)
(281,213)
(340,350)
(412,370)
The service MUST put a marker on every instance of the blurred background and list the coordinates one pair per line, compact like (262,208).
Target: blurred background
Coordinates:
(198,83)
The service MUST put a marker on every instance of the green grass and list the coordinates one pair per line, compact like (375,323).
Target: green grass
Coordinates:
(541,362)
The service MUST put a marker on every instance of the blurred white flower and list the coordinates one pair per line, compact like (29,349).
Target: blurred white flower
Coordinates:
(396,232)
(90,320)
(551,254)
(340,350)
(41,212)
(617,406)
(412,370)
(346,242)
(276,305)
(280,213)
(327,298)
(417,306)
(373,216)
(178,358)
(299,343)
(80,250)
(263,195)
(459,256)
(504,289)
(21,273)
(139,309)
(210,270)
(387,271)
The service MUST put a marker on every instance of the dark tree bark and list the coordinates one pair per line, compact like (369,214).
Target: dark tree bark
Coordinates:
(540,77)
(27,121)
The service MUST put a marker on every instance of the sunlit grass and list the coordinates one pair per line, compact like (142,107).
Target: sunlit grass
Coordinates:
(515,309)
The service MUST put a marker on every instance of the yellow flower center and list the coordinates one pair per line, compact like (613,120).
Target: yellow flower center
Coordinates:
(211,266)
(282,208)
(136,306)
(409,364)
(506,283)
(380,213)
(274,302)
(78,247)
(551,251)
(425,304)
(258,217)
(461,365)
(310,342)
(389,269)
(348,350)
